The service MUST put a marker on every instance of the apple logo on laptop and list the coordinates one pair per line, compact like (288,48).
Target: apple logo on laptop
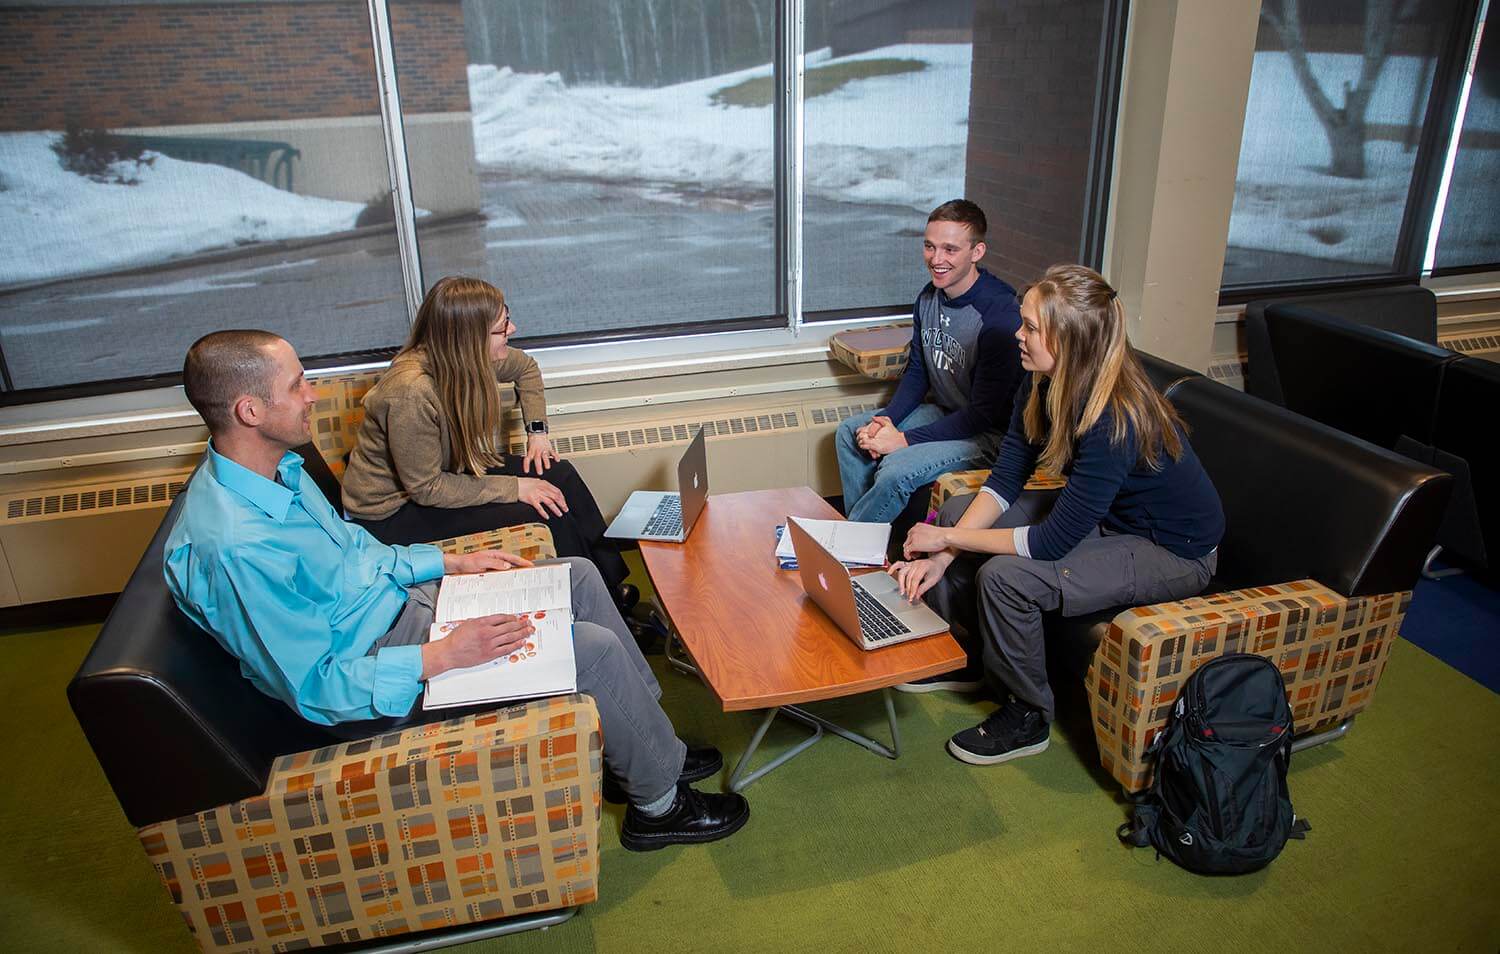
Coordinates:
(822,581)
(695,481)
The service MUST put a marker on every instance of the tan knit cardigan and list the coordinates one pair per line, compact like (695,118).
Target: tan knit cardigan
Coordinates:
(403,451)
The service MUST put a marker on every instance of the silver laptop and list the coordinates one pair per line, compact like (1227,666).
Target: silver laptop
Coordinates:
(661,514)
(869,608)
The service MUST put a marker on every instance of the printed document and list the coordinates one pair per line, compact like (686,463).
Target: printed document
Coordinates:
(852,543)
(542,666)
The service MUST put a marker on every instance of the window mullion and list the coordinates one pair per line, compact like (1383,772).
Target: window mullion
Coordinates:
(395,153)
(789,119)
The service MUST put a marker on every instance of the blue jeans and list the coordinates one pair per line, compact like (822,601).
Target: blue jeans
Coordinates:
(877,490)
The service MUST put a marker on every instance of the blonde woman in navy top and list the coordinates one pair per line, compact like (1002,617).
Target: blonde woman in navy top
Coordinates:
(1139,521)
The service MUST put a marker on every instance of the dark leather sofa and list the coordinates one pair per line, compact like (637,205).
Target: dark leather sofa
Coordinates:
(195,753)
(1408,310)
(1407,395)
(1325,537)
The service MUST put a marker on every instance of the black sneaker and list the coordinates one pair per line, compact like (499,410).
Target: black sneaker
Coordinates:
(694,818)
(701,762)
(1013,731)
(967,679)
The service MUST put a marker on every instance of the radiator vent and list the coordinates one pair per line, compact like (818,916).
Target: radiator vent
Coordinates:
(1474,344)
(838,412)
(1231,371)
(156,492)
(667,433)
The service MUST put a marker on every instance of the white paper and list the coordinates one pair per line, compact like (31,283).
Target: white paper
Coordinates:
(542,666)
(850,542)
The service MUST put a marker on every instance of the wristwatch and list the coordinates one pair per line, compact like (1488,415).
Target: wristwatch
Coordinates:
(536,427)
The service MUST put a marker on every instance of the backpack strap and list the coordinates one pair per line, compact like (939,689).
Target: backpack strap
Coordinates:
(1300,828)
(1137,832)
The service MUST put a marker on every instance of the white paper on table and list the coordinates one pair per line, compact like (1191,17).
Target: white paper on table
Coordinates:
(851,542)
(542,666)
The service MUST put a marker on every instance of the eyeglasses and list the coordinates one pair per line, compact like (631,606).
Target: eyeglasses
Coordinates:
(507,326)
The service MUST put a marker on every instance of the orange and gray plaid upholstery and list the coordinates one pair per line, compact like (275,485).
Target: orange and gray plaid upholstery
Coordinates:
(1331,651)
(485,816)
(336,419)
(962,482)
(880,363)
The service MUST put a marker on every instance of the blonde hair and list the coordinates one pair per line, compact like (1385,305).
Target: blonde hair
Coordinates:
(1083,324)
(452,332)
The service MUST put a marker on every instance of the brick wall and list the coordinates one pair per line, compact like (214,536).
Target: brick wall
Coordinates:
(113,66)
(1031,107)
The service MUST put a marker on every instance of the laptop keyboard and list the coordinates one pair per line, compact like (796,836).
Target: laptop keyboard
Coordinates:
(875,620)
(666,521)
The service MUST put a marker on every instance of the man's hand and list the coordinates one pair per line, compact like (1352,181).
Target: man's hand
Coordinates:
(539,452)
(883,440)
(916,577)
(481,561)
(475,641)
(925,538)
(545,497)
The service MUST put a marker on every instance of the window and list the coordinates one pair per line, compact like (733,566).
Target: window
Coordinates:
(169,170)
(613,167)
(1470,232)
(1341,139)
(621,168)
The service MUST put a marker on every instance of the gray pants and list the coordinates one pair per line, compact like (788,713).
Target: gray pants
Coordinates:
(640,745)
(1001,599)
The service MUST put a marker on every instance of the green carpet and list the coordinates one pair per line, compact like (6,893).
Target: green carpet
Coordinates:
(846,851)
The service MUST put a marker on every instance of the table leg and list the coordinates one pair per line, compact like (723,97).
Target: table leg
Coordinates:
(891,752)
(740,779)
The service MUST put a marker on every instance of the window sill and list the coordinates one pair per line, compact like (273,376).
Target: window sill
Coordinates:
(167,408)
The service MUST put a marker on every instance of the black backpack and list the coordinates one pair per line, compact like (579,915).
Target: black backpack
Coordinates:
(1219,803)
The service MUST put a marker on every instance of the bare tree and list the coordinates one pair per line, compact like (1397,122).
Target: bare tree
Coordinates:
(1344,125)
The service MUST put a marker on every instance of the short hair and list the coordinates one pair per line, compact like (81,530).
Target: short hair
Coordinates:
(224,366)
(964,213)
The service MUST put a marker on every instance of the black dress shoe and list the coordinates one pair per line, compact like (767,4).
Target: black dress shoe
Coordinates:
(696,817)
(626,596)
(701,762)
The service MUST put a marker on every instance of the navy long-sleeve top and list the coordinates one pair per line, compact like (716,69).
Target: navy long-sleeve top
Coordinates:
(1175,506)
(964,351)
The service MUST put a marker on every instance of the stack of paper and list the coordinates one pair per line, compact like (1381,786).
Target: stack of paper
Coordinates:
(542,666)
(854,544)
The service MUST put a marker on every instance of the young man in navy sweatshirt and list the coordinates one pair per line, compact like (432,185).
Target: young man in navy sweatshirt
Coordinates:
(954,400)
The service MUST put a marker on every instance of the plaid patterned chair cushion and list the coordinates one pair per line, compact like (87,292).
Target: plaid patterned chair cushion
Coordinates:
(962,482)
(481,817)
(879,352)
(530,540)
(338,414)
(1331,651)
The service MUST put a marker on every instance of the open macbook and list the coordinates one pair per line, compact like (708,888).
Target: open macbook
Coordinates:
(662,514)
(868,608)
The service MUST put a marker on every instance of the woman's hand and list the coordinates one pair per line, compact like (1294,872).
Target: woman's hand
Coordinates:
(482,561)
(545,497)
(925,538)
(539,452)
(916,577)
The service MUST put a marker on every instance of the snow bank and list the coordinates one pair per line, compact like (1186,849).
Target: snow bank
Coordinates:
(55,224)
(890,139)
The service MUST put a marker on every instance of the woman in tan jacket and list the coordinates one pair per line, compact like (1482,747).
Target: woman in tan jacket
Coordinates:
(430,462)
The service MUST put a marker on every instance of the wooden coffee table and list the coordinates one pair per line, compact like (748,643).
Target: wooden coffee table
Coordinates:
(757,640)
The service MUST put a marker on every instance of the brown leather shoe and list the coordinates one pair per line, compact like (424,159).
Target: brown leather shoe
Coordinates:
(696,817)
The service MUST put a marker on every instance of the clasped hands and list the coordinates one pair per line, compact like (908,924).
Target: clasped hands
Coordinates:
(478,640)
(927,559)
(879,437)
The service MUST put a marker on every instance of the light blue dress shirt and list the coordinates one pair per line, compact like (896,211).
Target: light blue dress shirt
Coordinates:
(295,592)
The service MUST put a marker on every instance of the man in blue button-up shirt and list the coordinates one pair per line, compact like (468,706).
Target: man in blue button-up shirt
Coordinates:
(332,622)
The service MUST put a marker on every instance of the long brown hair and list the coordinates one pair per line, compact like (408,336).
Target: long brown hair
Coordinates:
(1083,324)
(452,332)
